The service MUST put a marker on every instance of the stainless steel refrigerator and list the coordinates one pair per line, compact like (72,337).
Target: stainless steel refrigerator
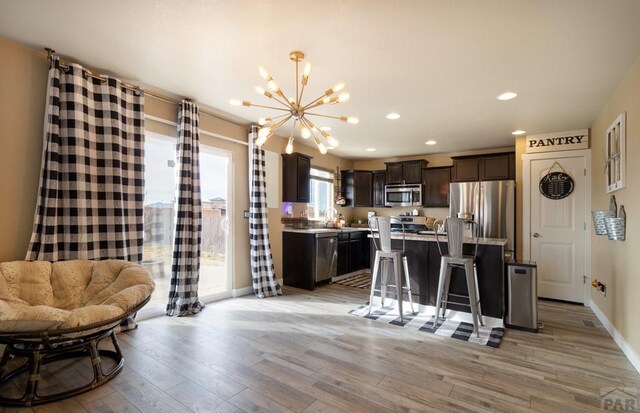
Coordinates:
(493,205)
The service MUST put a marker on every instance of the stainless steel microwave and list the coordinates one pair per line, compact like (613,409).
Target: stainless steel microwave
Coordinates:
(403,195)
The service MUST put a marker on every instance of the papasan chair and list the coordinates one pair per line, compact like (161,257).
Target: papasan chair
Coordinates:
(54,311)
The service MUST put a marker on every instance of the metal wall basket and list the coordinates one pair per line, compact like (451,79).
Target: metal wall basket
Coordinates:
(616,226)
(599,221)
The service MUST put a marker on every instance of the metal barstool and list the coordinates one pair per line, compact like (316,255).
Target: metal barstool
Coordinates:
(380,228)
(455,258)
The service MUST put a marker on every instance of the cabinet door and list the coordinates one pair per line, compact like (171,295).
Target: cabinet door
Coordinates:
(494,168)
(343,257)
(412,172)
(304,179)
(378,189)
(347,187)
(436,187)
(465,169)
(365,250)
(296,178)
(355,255)
(362,186)
(394,173)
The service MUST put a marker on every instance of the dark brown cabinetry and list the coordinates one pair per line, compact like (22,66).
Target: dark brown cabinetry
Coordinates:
(357,188)
(296,177)
(353,252)
(465,169)
(378,188)
(490,167)
(436,186)
(408,172)
(495,168)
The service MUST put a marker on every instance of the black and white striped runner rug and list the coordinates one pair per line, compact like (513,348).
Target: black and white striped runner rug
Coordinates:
(457,324)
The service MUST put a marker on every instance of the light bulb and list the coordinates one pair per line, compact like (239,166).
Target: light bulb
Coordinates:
(263,73)
(339,87)
(264,131)
(264,121)
(261,140)
(273,85)
(307,70)
(235,102)
(289,149)
(292,100)
(305,133)
(343,97)
(322,148)
(332,141)
(353,121)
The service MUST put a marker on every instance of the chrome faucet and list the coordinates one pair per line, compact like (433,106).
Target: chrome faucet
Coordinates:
(330,211)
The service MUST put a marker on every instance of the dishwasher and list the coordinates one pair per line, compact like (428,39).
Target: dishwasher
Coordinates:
(326,256)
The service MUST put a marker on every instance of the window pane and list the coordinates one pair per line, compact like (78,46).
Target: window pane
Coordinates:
(321,194)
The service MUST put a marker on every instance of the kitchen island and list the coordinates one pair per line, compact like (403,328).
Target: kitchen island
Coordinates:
(424,269)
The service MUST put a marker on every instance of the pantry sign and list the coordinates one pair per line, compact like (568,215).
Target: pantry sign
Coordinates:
(558,141)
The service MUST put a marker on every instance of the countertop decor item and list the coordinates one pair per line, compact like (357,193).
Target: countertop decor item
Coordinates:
(293,108)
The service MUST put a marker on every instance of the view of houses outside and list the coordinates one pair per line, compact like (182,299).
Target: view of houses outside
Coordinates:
(159,215)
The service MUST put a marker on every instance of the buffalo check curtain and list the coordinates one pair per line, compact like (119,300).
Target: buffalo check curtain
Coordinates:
(262,269)
(90,199)
(185,268)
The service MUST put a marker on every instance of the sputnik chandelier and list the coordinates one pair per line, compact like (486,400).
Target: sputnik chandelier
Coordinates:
(293,108)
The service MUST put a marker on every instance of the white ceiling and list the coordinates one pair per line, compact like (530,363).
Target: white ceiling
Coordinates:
(440,64)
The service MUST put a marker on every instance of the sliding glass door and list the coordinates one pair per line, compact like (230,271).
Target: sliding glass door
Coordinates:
(159,210)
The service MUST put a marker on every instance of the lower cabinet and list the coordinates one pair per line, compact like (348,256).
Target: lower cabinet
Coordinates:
(353,252)
(298,259)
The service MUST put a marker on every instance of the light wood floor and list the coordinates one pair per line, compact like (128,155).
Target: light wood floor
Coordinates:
(302,353)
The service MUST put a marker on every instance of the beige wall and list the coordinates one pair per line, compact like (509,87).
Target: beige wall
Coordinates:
(23,82)
(614,262)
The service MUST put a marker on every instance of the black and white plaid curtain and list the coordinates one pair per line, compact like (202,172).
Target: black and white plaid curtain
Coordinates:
(185,268)
(90,199)
(262,270)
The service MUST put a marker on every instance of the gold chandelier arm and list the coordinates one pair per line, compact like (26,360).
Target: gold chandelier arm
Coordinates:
(269,107)
(286,105)
(313,129)
(308,105)
(277,125)
(342,118)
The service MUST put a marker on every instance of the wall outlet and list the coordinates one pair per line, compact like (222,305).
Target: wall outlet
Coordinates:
(246,214)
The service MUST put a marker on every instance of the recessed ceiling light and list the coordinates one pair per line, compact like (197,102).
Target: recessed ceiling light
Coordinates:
(370,149)
(507,96)
(393,116)
(431,142)
(326,128)
(518,132)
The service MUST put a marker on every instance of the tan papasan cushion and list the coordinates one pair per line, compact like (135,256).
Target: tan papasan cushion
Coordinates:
(39,295)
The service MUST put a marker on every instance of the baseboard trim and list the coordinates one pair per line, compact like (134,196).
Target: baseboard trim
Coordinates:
(626,348)
(239,292)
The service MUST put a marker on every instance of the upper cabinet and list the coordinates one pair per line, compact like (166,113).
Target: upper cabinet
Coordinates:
(357,187)
(436,186)
(489,167)
(408,172)
(296,177)
(378,189)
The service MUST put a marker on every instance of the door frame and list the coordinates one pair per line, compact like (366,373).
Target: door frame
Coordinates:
(526,208)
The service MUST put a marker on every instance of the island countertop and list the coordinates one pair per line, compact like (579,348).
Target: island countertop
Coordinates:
(443,238)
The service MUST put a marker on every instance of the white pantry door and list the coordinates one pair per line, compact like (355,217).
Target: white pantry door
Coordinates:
(558,231)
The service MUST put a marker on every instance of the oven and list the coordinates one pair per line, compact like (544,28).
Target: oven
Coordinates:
(404,195)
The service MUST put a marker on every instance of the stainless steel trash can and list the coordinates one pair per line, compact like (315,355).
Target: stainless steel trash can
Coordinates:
(522,295)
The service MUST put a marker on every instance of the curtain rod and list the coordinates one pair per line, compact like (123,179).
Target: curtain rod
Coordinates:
(66,64)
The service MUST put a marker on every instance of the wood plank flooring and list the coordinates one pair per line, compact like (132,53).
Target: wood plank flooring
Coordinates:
(302,352)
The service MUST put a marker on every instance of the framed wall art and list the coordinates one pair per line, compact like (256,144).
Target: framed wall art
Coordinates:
(616,177)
